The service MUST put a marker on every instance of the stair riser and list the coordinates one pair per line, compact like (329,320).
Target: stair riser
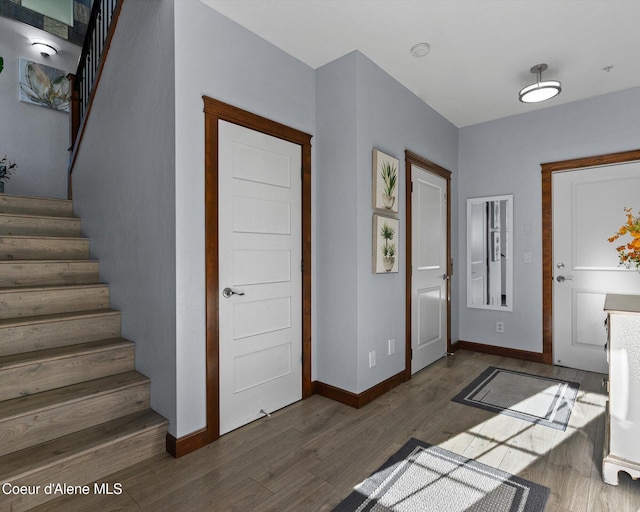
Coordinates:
(41,336)
(43,248)
(24,303)
(37,273)
(44,375)
(40,426)
(38,226)
(87,468)
(35,206)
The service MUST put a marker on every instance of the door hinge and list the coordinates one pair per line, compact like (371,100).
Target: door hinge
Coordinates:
(412,187)
(301,265)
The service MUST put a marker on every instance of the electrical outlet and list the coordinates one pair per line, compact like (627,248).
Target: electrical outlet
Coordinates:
(500,327)
(392,346)
(372,359)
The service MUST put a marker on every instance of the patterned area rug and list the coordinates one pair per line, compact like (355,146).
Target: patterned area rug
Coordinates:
(425,478)
(540,400)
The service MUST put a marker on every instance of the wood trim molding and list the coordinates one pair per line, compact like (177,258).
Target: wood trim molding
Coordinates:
(548,169)
(414,159)
(186,444)
(536,357)
(361,399)
(215,111)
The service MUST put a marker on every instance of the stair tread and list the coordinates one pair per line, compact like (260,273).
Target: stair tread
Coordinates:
(27,358)
(40,216)
(36,403)
(38,198)
(43,237)
(57,317)
(50,287)
(19,464)
(40,262)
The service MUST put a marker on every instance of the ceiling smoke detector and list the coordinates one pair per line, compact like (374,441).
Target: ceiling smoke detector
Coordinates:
(420,50)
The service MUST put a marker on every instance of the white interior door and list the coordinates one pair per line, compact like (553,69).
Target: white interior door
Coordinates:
(587,210)
(429,274)
(260,323)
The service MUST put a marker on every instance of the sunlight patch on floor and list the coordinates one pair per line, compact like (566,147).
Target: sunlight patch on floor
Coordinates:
(512,445)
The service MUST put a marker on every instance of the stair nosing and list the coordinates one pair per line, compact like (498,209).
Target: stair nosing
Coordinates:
(50,287)
(41,237)
(155,422)
(136,379)
(38,198)
(19,360)
(57,317)
(40,216)
(36,262)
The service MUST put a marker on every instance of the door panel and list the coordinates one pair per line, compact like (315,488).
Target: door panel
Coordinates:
(259,237)
(430,301)
(588,209)
(429,273)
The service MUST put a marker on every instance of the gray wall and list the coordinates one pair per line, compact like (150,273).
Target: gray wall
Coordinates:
(216,57)
(124,189)
(357,310)
(336,243)
(35,137)
(504,157)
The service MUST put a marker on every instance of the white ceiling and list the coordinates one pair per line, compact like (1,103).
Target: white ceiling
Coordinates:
(481,50)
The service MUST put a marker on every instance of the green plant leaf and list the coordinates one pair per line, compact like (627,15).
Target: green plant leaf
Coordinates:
(387,232)
(389,175)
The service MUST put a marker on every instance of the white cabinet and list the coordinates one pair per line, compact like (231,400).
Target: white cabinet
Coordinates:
(622,431)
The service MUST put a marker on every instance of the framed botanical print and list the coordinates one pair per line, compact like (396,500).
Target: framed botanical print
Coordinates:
(385,182)
(385,244)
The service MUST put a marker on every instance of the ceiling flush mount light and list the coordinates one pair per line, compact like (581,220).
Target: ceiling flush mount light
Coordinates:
(540,91)
(45,49)
(420,50)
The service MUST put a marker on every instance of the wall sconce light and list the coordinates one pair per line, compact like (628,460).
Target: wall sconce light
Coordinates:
(45,49)
(540,91)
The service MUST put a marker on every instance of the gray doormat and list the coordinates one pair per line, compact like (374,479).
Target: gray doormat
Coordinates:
(541,400)
(425,478)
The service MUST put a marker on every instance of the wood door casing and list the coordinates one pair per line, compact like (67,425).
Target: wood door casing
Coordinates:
(547,232)
(215,111)
(413,159)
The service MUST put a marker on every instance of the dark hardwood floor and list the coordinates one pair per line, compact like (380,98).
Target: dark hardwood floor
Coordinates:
(307,457)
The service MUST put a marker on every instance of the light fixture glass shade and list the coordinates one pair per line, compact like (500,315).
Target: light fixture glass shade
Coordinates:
(540,91)
(45,48)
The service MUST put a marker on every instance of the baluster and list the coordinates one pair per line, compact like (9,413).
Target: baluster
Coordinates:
(94,46)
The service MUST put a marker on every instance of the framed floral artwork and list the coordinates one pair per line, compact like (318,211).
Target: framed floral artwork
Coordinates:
(43,85)
(385,244)
(385,182)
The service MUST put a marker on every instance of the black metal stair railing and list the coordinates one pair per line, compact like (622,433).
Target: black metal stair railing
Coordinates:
(100,28)
(92,51)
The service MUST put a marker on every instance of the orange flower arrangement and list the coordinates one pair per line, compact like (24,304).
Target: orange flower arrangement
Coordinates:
(629,254)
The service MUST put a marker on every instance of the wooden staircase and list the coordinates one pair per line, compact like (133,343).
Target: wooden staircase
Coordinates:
(72,407)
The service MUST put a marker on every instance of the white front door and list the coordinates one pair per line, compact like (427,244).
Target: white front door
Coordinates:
(429,274)
(587,210)
(259,191)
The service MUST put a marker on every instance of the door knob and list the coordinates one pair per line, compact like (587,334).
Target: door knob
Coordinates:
(562,279)
(228,292)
